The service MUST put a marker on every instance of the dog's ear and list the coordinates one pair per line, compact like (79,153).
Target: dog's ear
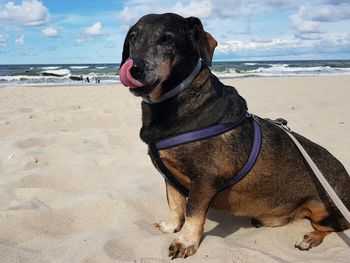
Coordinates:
(204,41)
(126,48)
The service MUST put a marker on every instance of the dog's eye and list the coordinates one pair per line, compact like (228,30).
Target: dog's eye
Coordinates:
(166,40)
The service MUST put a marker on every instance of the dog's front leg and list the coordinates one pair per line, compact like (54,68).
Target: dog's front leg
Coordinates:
(201,194)
(176,202)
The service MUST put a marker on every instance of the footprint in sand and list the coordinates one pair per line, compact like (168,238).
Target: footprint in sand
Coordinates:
(24,205)
(33,142)
(116,249)
(26,161)
(25,110)
(81,216)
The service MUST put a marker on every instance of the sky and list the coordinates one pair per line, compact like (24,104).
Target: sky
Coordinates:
(85,31)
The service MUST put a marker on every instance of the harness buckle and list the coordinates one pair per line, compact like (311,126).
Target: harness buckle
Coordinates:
(283,124)
(251,115)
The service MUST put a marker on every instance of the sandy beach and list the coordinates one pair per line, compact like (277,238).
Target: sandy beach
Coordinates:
(76,184)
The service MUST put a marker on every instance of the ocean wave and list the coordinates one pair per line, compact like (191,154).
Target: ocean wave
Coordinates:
(45,80)
(27,73)
(20,77)
(50,68)
(284,68)
(79,67)
(57,72)
(24,79)
(107,73)
(281,70)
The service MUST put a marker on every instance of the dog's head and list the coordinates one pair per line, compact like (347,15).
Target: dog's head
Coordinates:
(161,50)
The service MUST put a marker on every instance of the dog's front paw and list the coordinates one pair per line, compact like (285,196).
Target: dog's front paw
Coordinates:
(180,248)
(310,240)
(166,227)
(304,244)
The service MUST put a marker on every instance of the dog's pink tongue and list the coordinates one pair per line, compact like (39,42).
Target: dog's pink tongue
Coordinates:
(126,77)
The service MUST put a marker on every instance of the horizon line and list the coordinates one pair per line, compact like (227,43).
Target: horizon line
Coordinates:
(214,61)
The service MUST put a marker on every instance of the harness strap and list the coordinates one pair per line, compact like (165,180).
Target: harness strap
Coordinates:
(199,134)
(252,157)
(158,163)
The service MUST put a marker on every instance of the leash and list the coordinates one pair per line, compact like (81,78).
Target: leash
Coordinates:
(204,134)
(177,89)
(332,194)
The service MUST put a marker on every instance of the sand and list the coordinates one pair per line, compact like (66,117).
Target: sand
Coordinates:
(76,184)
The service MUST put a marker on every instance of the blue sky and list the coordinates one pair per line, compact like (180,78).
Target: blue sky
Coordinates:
(76,31)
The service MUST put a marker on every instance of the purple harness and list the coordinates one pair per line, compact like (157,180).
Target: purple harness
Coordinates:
(201,135)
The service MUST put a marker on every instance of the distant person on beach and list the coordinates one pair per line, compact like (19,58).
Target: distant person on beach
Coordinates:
(87,80)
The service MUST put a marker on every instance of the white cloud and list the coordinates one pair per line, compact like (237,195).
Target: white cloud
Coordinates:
(200,9)
(335,2)
(328,43)
(337,39)
(129,15)
(311,17)
(303,25)
(27,13)
(309,36)
(229,8)
(278,4)
(205,9)
(20,41)
(331,13)
(94,30)
(258,46)
(235,19)
(50,32)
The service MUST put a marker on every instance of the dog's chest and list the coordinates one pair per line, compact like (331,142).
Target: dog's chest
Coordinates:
(175,166)
(213,157)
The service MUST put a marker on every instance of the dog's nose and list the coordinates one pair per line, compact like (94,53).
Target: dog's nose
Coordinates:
(138,68)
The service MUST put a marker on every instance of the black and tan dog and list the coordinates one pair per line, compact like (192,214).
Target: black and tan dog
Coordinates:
(160,51)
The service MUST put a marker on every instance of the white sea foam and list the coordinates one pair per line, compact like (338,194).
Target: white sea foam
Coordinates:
(50,68)
(79,67)
(20,77)
(61,72)
(285,70)
(101,67)
(281,70)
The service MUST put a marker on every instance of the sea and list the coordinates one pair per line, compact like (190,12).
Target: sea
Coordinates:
(87,74)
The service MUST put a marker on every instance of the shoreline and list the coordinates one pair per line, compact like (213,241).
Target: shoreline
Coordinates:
(222,77)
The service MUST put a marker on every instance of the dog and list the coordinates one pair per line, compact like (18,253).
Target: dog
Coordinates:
(159,52)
